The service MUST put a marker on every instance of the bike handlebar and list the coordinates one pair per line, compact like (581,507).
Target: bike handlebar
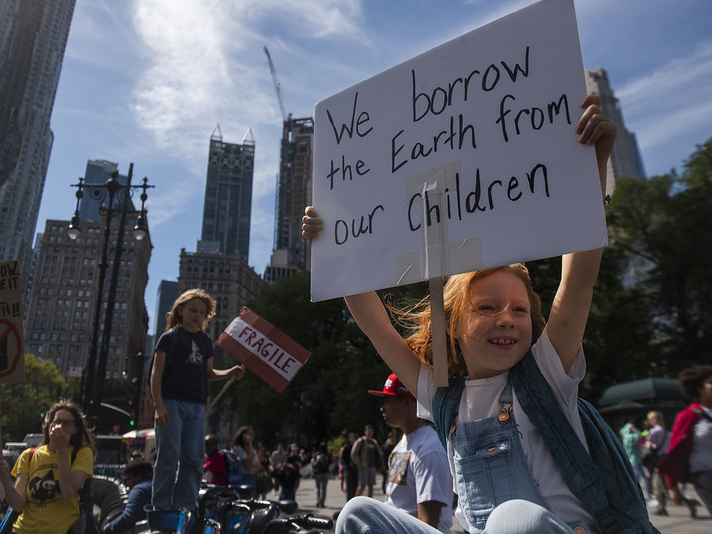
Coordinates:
(317,522)
(297,522)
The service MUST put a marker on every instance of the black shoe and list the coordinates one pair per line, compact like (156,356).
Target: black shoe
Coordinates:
(662,511)
(692,505)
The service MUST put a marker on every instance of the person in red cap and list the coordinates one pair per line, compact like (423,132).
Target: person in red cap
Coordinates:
(419,480)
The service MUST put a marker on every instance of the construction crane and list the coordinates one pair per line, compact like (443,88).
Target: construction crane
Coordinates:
(276,84)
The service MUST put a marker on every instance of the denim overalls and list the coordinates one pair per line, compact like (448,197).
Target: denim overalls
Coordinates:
(490,466)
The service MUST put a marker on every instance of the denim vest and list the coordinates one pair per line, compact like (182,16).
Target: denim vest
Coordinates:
(603,480)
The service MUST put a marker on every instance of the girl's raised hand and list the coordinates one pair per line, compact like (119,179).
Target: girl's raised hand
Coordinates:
(312,225)
(594,128)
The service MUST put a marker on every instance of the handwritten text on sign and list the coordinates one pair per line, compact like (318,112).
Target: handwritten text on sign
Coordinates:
(461,158)
(265,350)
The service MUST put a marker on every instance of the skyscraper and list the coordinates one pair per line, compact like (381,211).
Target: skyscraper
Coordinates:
(98,172)
(228,196)
(165,297)
(625,159)
(294,189)
(33,36)
(625,162)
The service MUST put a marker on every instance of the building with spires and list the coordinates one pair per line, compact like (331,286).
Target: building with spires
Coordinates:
(33,37)
(228,196)
(291,253)
(220,264)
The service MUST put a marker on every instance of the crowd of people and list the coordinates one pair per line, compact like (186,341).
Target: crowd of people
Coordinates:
(412,463)
(664,460)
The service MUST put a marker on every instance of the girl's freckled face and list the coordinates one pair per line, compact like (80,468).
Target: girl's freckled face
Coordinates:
(497,332)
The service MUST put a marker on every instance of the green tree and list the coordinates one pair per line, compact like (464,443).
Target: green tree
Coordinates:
(662,224)
(617,332)
(618,325)
(24,404)
(328,396)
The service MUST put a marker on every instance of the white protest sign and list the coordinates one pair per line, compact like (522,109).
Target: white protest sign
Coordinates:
(459,159)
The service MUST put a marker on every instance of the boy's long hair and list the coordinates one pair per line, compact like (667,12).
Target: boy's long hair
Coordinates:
(174,317)
(456,296)
(82,437)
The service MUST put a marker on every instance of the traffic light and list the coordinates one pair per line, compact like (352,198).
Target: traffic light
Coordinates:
(132,421)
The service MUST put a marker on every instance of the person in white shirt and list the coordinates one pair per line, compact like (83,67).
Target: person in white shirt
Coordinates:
(419,481)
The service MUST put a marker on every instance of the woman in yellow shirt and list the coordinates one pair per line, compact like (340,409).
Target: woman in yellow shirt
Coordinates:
(48,478)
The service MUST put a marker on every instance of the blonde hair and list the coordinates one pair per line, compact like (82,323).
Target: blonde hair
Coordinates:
(174,316)
(456,296)
(657,416)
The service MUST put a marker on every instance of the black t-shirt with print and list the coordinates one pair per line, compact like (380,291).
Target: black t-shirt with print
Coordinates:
(186,370)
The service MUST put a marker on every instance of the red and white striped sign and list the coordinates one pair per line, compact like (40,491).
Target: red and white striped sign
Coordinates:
(265,350)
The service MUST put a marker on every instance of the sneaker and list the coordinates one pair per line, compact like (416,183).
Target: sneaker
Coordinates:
(692,505)
(653,503)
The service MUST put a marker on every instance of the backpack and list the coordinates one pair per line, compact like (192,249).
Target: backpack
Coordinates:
(650,458)
(86,524)
(321,463)
(233,465)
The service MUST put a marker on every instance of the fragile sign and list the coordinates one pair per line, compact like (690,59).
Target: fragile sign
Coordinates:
(462,158)
(263,348)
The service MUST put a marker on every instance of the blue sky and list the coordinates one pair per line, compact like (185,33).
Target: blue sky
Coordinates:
(146,81)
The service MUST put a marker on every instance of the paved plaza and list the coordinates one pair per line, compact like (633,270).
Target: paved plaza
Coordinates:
(678,522)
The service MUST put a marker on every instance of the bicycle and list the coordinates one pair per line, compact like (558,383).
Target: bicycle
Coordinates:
(222,510)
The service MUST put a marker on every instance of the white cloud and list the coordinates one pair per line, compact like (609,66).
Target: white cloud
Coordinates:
(671,100)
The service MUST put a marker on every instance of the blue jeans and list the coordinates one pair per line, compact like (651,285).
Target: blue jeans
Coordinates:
(180,454)
(321,480)
(363,515)
(640,474)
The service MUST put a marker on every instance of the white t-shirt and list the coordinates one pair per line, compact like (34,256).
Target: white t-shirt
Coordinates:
(242,454)
(418,472)
(480,400)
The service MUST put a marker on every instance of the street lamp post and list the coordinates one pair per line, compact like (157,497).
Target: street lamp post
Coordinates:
(93,379)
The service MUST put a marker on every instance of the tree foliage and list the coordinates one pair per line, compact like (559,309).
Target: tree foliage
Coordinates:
(661,225)
(648,316)
(328,396)
(24,404)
